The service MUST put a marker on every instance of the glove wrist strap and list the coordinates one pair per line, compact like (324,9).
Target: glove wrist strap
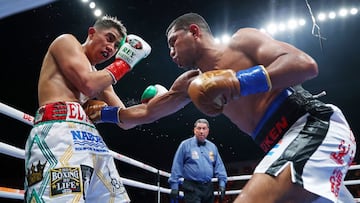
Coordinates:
(110,114)
(117,69)
(254,80)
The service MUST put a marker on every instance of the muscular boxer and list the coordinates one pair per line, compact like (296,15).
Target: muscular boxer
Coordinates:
(299,134)
(66,157)
(255,81)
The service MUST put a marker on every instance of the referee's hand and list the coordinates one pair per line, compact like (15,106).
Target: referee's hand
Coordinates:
(174,194)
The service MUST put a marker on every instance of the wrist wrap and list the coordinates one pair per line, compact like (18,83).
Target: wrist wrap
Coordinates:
(118,69)
(253,80)
(109,114)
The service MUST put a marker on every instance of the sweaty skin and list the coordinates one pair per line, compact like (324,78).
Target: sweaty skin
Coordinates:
(193,46)
(67,73)
(286,65)
(159,106)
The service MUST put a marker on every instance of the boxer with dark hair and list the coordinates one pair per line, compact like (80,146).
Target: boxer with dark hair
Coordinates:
(66,157)
(251,81)
(255,81)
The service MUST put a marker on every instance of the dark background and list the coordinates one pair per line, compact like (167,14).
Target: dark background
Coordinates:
(25,37)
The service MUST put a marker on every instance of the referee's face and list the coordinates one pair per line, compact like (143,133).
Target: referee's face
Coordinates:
(201,131)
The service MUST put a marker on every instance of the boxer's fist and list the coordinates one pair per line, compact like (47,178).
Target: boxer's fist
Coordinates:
(100,112)
(151,92)
(93,108)
(133,50)
(129,54)
(211,90)
(182,83)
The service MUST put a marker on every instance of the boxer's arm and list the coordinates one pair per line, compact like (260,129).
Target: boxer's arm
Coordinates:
(282,66)
(213,89)
(155,109)
(159,106)
(286,65)
(74,65)
(126,118)
(109,96)
(67,53)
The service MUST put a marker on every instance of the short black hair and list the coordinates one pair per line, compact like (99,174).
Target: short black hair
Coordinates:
(107,22)
(185,20)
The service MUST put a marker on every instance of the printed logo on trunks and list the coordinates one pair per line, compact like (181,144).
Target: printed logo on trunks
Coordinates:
(75,112)
(86,172)
(272,151)
(65,180)
(274,134)
(35,173)
(86,141)
(338,157)
(335,181)
(117,185)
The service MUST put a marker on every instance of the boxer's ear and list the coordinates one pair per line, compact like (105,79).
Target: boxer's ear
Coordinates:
(91,31)
(194,29)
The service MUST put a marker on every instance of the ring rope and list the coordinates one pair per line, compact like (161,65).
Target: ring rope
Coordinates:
(28,119)
(11,193)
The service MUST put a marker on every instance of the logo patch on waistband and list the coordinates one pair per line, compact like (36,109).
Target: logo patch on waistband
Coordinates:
(65,180)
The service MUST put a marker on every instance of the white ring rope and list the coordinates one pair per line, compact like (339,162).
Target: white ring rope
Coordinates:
(20,153)
(28,119)
(11,193)
(14,113)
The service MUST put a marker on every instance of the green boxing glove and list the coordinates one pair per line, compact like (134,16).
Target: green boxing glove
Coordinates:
(152,91)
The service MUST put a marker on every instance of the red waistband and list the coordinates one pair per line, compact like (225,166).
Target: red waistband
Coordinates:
(66,111)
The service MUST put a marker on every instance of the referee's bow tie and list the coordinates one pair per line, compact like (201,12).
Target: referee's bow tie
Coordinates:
(201,143)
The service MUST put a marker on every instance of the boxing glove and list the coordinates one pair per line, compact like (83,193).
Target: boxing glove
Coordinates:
(129,54)
(152,91)
(100,112)
(211,90)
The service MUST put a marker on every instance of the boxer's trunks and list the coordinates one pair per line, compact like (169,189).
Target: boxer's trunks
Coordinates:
(314,139)
(66,159)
